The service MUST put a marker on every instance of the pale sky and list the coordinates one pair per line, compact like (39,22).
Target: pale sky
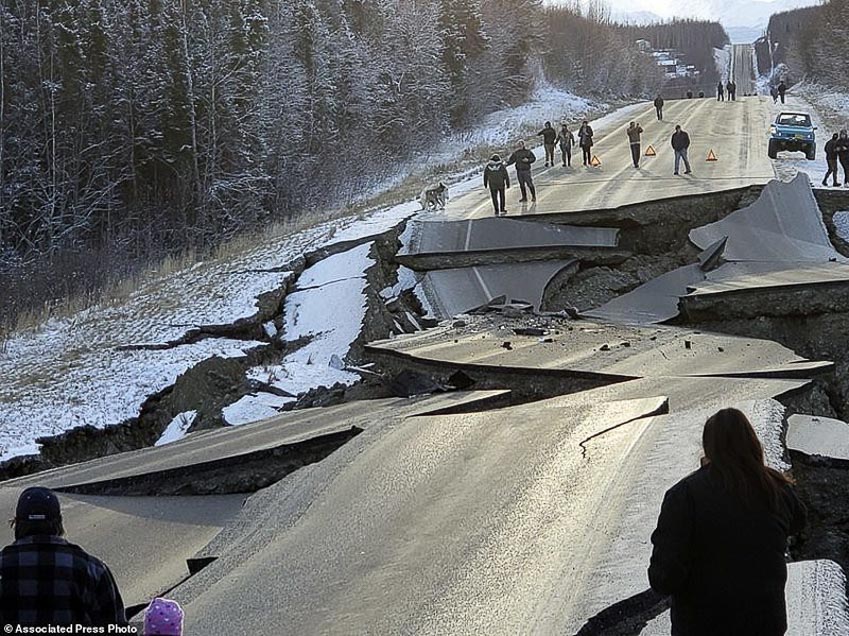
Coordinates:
(730,12)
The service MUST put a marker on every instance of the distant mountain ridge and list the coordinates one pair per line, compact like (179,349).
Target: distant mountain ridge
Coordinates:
(731,13)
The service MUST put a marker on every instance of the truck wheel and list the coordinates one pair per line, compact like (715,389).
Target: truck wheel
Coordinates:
(773,149)
(811,153)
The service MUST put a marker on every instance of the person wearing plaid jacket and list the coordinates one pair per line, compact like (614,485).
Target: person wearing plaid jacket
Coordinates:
(45,580)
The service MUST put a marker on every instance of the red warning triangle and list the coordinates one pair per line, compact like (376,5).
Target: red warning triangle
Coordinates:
(711,156)
(595,162)
(650,152)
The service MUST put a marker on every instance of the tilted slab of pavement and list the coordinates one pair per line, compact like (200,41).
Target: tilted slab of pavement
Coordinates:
(472,262)
(777,245)
(615,352)
(458,242)
(147,540)
(526,519)
(737,132)
(783,225)
(450,292)
(236,444)
(817,435)
(815,597)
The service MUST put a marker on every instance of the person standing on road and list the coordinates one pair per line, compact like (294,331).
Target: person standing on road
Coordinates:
(549,139)
(831,150)
(495,178)
(720,92)
(773,91)
(722,535)
(44,580)
(843,154)
(729,90)
(523,158)
(634,132)
(782,90)
(566,140)
(681,144)
(658,106)
(585,141)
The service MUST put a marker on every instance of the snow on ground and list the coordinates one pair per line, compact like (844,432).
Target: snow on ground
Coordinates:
(68,372)
(503,127)
(254,407)
(46,394)
(177,429)
(841,224)
(329,307)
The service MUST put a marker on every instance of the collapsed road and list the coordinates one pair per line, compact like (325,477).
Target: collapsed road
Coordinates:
(592,346)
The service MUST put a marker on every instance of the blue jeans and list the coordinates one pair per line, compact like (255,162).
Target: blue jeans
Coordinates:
(679,155)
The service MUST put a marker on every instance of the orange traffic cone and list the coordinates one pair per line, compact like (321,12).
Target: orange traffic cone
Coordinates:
(595,162)
(650,152)
(711,156)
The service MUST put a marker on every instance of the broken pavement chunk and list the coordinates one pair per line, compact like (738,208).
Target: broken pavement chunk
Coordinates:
(816,435)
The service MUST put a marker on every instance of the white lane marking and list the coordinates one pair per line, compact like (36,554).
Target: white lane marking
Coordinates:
(468,236)
(485,289)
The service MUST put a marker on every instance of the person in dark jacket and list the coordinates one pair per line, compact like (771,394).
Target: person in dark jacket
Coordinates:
(681,144)
(721,538)
(44,580)
(634,132)
(585,141)
(773,91)
(523,158)
(782,91)
(843,154)
(720,92)
(549,140)
(495,178)
(658,106)
(566,140)
(831,149)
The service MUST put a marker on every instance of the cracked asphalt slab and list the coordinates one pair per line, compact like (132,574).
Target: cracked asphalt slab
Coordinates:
(499,522)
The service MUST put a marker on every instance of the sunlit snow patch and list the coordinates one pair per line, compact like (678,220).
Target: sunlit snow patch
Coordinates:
(328,307)
(254,407)
(178,428)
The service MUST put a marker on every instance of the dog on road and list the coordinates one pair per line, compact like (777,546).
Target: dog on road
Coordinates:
(434,197)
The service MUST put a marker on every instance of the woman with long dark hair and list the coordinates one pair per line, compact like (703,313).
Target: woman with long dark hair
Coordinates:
(721,539)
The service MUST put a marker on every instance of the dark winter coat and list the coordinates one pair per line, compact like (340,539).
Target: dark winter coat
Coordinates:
(523,159)
(658,102)
(495,175)
(842,148)
(549,136)
(680,140)
(721,561)
(832,148)
(585,136)
(782,88)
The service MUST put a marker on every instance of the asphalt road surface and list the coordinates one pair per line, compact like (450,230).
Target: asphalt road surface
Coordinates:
(735,131)
(743,69)
(524,520)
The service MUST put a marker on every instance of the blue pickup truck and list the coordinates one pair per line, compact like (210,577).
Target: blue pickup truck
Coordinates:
(793,131)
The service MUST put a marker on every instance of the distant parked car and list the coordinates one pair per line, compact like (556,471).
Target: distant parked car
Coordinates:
(794,132)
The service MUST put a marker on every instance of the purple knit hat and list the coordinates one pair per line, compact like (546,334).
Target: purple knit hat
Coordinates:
(163,617)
